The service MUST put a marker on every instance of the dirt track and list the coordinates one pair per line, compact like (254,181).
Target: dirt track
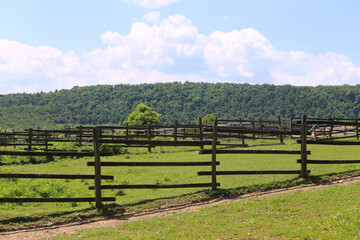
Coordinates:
(45,232)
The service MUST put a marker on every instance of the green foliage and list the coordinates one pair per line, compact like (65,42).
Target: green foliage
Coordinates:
(106,104)
(15,188)
(209,118)
(115,149)
(142,116)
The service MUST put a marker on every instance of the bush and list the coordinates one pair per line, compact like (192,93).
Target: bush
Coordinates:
(115,149)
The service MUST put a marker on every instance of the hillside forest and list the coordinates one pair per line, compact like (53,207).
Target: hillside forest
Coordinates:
(185,102)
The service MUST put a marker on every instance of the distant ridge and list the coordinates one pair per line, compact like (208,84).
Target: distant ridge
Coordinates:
(111,104)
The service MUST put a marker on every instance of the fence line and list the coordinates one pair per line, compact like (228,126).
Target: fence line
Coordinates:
(197,135)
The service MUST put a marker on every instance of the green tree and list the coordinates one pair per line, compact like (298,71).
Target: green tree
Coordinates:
(142,116)
(209,119)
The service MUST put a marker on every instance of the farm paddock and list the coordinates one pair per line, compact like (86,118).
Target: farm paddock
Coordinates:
(261,167)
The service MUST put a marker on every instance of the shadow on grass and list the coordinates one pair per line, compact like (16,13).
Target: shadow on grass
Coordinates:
(109,210)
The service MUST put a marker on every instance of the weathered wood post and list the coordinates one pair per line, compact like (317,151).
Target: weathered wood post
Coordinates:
(304,173)
(97,166)
(279,127)
(14,139)
(331,127)
(201,138)
(149,136)
(46,141)
(213,156)
(127,133)
(242,135)
(175,130)
(30,139)
(80,135)
(357,129)
(253,126)
(291,126)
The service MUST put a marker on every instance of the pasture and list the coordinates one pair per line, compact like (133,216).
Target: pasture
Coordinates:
(16,215)
(326,213)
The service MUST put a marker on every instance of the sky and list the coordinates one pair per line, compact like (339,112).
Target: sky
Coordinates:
(48,45)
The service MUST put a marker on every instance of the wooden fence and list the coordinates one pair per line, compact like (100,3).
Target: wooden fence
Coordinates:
(41,142)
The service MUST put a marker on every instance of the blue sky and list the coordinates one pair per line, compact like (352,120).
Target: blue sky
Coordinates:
(48,45)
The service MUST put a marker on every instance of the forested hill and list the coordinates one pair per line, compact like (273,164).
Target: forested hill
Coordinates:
(106,104)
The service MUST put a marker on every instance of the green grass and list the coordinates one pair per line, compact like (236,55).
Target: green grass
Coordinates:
(34,214)
(328,213)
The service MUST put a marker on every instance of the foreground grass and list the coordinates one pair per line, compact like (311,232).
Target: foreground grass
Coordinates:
(328,213)
(14,216)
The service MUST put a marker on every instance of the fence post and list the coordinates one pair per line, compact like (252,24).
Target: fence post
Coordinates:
(331,127)
(279,127)
(290,126)
(253,126)
(201,132)
(149,136)
(14,139)
(175,130)
(357,129)
(97,164)
(242,135)
(30,139)
(303,146)
(80,135)
(213,156)
(46,141)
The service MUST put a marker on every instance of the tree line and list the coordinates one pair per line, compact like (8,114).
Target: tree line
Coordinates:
(185,102)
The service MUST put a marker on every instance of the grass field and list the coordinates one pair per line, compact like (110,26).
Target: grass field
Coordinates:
(329,213)
(33,214)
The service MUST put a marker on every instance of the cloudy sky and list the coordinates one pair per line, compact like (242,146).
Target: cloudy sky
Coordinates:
(48,45)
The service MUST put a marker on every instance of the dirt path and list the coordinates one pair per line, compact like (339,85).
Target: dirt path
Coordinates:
(45,232)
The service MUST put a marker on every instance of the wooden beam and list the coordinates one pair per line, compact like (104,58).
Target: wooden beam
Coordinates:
(60,154)
(150,164)
(329,142)
(155,186)
(52,176)
(256,131)
(10,200)
(158,142)
(328,122)
(330,161)
(207,173)
(251,151)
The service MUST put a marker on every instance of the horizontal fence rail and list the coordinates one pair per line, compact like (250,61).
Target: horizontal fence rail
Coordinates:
(155,186)
(11,200)
(52,176)
(218,137)
(151,164)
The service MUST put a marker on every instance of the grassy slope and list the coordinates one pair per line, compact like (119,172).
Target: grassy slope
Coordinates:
(13,216)
(329,213)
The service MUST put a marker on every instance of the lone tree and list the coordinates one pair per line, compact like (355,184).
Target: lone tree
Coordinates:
(142,116)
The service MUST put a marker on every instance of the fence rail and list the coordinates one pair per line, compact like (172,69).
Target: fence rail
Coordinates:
(219,133)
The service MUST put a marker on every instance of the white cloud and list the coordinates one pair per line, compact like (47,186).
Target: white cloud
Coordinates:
(153,16)
(27,68)
(152,4)
(171,49)
(311,70)
(153,47)
(175,48)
